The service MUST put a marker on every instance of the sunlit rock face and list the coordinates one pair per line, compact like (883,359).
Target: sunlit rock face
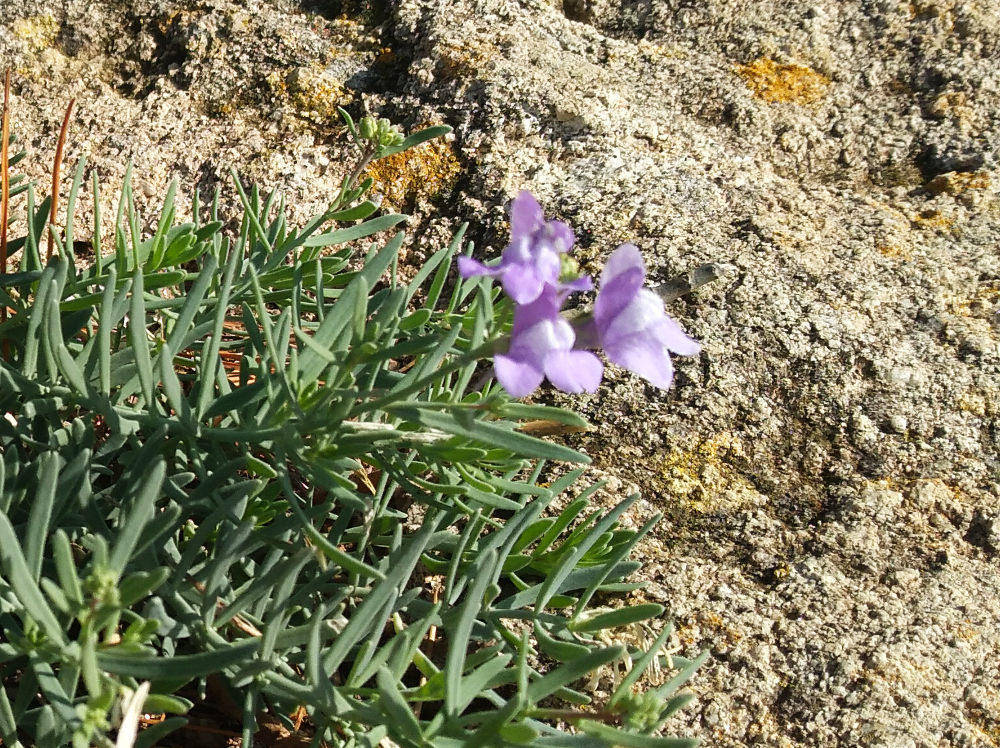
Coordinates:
(828,464)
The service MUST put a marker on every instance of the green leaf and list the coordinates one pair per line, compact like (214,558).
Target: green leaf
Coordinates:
(339,557)
(65,565)
(401,721)
(572,671)
(138,586)
(41,512)
(139,340)
(142,513)
(495,435)
(563,651)
(237,400)
(421,136)
(616,737)
(620,617)
(368,616)
(682,677)
(354,213)
(352,233)
(159,703)
(414,320)
(460,633)
(20,578)
(186,667)
(518,734)
(483,677)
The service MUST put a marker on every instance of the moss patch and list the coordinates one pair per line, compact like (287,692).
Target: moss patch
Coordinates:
(776,82)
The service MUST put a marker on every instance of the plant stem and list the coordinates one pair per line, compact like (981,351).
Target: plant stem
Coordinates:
(367,156)
(572,714)
(56,166)
(5,192)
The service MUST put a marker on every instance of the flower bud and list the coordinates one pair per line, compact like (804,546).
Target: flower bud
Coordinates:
(569,268)
(367,128)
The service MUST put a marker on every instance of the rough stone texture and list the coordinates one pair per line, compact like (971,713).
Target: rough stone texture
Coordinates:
(829,465)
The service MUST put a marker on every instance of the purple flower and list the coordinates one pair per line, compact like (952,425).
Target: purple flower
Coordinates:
(532,260)
(541,345)
(631,324)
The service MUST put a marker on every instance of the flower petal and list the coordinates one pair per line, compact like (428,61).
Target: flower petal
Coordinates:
(561,235)
(574,371)
(626,259)
(641,314)
(521,283)
(468,267)
(526,217)
(643,356)
(621,278)
(519,378)
(547,264)
(668,332)
(546,306)
(539,340)
(583,283)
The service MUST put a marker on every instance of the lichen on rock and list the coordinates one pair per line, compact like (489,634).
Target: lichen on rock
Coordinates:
(418,174)
(783,82)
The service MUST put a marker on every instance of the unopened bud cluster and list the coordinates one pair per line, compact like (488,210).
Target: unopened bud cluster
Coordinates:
(380,132)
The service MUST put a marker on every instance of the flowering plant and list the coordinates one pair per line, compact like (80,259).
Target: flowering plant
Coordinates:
(628,321)
(242,463)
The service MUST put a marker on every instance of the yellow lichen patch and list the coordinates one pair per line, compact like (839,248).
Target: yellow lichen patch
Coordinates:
(418,173)
(312,92)
(894,250)
(653,51)
(777,82)
(957,182)
(953,104)
(977,402)
(934,220)
(703,479)
(463,60)
(984,303)
(38,32)
(707,624)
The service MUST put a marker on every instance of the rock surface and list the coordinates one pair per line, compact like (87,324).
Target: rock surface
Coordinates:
(829,465)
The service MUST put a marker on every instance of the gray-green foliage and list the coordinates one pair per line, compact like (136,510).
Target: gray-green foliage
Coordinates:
(241,454)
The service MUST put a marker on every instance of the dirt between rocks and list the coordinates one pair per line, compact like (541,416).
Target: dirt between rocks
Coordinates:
(828,467)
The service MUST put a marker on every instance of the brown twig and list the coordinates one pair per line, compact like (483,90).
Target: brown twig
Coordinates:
(4,192)
(55,177)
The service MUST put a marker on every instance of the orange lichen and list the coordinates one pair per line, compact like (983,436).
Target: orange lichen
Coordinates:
(419,173)
(777,82)
(983,303)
